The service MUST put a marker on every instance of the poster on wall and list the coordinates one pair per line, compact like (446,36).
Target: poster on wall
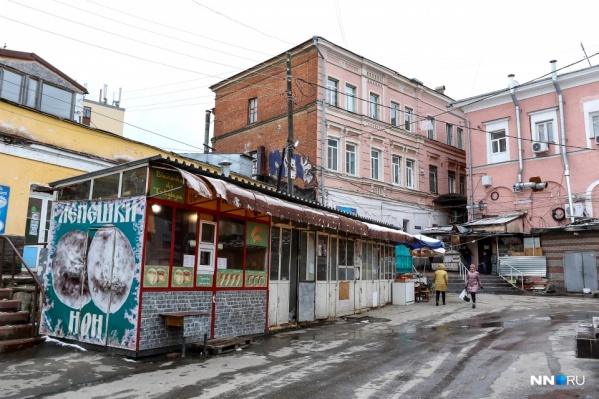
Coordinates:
(93,276)
(4,195)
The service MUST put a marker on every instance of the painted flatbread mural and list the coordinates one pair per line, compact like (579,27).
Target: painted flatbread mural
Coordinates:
(68,269)
(93,276)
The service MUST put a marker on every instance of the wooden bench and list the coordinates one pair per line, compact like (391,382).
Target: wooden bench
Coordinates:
(177,319)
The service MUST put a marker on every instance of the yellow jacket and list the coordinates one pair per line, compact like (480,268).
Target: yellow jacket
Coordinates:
(441,279)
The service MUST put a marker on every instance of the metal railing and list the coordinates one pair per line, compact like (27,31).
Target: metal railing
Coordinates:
(511,274)
(38,292)
(463,271)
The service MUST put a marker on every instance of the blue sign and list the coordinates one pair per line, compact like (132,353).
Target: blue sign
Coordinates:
(418,227)
(347,209)
(4,194)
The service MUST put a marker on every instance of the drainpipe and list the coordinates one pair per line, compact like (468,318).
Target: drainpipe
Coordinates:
(470,177)
(563,136)
(207,132)
(323,122)
(512,84)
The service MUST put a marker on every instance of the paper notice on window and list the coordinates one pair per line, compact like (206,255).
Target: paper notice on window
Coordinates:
(189,260)
(221,263)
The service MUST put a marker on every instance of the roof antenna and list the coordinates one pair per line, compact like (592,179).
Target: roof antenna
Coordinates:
(585,54)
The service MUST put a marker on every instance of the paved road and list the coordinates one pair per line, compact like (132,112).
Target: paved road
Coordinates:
(414,351)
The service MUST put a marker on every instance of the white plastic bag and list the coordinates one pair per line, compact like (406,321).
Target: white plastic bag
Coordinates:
(464,296)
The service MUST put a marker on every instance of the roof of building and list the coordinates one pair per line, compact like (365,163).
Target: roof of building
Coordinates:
(34,57)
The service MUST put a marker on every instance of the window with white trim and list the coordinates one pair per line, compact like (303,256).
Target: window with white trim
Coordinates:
(544,131)
(374,106)
(333,92)
(460,134)
(410,173)
(350,158)
(375,164)
(408,118)
(333,154)
(498,142)
(350,98)
(462,184)
(394,114)
(595,124)
(253,110)
(396,170)
(430,127)
(449,133)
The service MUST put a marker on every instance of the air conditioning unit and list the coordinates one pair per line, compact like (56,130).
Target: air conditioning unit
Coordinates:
(577,210)
(487,181)
(539,147)
(596,139)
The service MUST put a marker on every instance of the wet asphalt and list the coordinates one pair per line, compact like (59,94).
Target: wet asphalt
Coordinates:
(414,351)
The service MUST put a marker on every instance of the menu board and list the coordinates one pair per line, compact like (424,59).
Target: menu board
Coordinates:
(166,184)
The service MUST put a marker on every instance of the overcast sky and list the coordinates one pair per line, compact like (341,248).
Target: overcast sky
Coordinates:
(164,55)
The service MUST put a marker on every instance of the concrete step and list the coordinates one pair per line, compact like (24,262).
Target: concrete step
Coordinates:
(15,331)
(10,305)
(20,343)
(8,318)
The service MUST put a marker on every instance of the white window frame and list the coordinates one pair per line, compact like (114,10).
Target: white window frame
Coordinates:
(333,153)
(408,118)
(460,137)
(375,164)
(449,133)
(430,131)
(395,113)
(351,92)
(375,112)
(351,158)
(494,127)
(333,92)
(410,167)
(591,108)
(253,110)
(396,170)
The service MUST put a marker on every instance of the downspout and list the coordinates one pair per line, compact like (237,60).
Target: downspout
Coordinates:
(470,177)
(207,131)
(560,98)
(323,122)
(513,83)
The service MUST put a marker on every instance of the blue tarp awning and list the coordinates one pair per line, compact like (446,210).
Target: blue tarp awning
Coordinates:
(427,242)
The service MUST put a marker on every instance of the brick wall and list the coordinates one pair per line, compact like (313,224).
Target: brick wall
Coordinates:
(154,334)
(555,245)
(240,313)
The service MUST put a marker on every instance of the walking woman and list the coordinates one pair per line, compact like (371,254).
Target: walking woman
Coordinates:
(440,280)
(473,283)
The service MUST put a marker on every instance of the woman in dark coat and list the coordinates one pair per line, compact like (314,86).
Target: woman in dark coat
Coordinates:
(473,283)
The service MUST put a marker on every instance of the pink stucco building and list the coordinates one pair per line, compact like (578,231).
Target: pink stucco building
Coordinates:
(532,159)
(369,140)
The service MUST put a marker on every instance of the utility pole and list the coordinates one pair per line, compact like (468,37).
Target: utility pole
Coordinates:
(289,146)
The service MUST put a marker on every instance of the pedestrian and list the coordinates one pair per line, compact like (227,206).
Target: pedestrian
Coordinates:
(466,255)
(473,283)
(440,281)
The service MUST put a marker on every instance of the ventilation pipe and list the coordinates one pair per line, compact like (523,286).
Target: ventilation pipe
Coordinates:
(512,85)
(207,131)
(562,122)
(323,122)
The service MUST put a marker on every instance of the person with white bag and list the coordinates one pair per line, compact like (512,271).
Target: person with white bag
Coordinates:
(473,283)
